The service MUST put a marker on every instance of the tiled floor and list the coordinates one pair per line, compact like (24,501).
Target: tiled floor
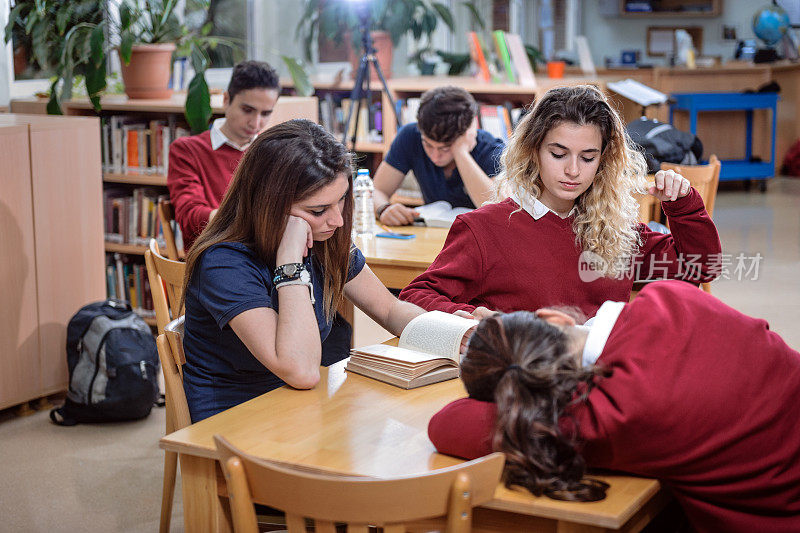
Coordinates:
(108,477)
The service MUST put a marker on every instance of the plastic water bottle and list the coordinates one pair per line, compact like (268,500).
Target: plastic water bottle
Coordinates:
(364,215)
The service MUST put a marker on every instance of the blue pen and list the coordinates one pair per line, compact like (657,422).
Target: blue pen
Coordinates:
(389,234)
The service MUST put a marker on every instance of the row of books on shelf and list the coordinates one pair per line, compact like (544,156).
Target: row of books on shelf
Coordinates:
(507,62)
(134,145)
(126,280)
(131,216)
(500,120)
(333,115)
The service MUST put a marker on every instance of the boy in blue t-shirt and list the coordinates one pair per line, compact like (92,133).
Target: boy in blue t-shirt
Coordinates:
(451,158)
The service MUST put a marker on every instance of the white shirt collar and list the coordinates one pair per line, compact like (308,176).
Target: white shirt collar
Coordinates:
(534,207)
(601,325)
(218,138)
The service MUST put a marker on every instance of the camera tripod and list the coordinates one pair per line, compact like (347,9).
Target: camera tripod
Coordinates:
(361,89)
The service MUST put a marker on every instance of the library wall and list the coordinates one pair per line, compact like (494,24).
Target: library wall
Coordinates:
(608,35)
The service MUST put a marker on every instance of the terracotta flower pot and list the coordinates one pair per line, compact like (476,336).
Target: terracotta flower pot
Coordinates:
(148,73)
(384,49)
(21,60)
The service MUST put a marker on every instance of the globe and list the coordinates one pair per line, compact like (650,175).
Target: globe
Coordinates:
(770,24)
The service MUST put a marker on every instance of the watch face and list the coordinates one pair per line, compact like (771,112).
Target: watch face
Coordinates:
(289,270)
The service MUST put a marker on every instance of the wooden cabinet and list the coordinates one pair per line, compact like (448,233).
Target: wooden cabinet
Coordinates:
(51,233)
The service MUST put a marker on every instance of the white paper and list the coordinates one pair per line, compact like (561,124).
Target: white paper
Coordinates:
(436,333)
(585,56)
(440,214)
(637,92)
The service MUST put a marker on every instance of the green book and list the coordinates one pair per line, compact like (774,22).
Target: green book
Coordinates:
(502,53)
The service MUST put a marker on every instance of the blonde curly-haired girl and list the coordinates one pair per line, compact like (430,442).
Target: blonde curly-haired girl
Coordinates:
(564,229)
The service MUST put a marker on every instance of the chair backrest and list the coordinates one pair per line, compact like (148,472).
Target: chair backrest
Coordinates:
(358,501)
(166,284)
(170,352)
(704,178)
(166,213)
(649,207)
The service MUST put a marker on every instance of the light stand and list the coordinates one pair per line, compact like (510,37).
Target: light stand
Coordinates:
(361,87)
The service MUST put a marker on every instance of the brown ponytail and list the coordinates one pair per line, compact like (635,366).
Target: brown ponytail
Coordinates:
(529,369)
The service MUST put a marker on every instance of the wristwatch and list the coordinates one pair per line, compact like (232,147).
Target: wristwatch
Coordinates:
(291,272)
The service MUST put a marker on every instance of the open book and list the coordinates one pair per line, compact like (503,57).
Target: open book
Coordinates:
(428,352)
(440,214)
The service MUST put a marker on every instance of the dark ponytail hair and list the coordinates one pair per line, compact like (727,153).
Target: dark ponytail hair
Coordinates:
(529,368)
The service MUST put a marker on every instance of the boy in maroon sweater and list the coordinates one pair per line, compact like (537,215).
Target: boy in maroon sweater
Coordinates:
(567,230)
(201,166)
(674,385)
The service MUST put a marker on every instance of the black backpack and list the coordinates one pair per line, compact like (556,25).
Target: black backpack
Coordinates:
(663,143)
(113,366)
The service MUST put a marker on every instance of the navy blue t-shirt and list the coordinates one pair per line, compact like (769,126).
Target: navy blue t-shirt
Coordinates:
(220,371)
(406,153)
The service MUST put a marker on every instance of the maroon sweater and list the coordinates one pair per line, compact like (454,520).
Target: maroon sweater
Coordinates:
(701,397)
(507,261)
(197,180)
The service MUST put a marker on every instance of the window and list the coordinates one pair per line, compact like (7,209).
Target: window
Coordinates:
(228,18)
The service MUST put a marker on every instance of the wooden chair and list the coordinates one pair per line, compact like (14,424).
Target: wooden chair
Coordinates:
(360,502)
(705,179)
(166,284)
(649,208)
(170,353)
(166,213)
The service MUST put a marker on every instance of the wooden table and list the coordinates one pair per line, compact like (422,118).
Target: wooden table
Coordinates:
(398,261)
(354,425)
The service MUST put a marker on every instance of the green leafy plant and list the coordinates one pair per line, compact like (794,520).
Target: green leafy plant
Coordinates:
(156,21)
(535,56)
(475,15)
(72,43)
(66,40)
(397,17)
(458,62)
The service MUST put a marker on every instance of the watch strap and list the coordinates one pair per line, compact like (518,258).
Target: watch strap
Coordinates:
(288,272)
(297,282)
(381,209)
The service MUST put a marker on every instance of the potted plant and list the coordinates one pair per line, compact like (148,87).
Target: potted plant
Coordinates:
(148,37)
(79,48)
(389,21)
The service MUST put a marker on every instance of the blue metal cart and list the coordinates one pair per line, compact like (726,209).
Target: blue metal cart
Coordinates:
(733,169)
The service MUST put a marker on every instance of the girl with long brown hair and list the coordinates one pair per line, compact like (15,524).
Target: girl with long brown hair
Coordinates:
(565,228)
(265,277)
(675,385)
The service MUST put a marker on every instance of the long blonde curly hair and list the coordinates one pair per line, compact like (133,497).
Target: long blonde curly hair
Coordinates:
(607,213)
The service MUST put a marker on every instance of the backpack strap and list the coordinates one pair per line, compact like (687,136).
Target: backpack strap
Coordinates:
(57,416)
